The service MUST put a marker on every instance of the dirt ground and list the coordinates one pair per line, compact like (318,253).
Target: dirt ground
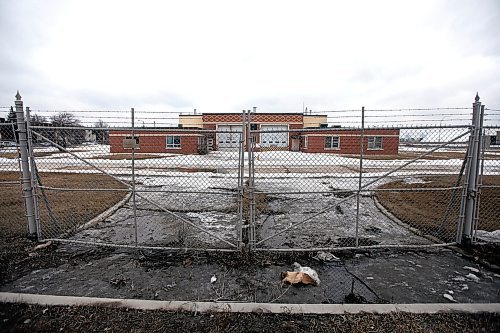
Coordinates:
(34,318)
(426,210)
(438,155)
(80,206)
(126,156)
(75,206)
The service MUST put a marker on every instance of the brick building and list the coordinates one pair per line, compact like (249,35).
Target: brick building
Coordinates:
(270,131)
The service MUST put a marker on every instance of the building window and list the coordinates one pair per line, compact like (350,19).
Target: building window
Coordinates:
(332,142)
(374,142)
(131,142)
(306,141)
(173,142)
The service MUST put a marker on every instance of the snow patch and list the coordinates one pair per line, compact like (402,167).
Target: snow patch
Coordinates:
(472,269)
(204,218)
(414,180)
(488,236)
(472,277)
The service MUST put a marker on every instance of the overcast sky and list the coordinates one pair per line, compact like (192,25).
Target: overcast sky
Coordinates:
(222,56)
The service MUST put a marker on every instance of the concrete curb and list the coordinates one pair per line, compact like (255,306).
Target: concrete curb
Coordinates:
(139,304)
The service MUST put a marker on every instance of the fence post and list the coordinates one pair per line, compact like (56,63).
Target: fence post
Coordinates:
(251,188)
(241,176)
(134,204)
(31,156)
(360,172)
(472,176)
(25,170)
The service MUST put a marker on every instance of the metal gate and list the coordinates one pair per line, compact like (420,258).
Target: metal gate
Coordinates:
(363,187)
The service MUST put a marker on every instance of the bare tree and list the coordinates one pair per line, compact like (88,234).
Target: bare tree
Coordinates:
(67,137)
(101,132)
(10,133)
(65,119)
(37,120)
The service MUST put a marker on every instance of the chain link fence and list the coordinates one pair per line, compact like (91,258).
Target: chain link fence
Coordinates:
(146,196)
(487,219)
(11,198)
(254,184)
(402,189)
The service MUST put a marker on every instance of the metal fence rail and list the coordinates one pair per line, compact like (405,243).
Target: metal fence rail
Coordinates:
(256,188)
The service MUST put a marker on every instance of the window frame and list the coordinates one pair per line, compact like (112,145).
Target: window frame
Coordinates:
(331,147)
(372,142)
(173,145)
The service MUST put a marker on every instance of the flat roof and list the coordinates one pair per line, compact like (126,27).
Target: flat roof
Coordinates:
(256,113)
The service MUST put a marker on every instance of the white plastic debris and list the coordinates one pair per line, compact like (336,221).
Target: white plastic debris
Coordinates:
(325,256)
(475,270)
(369,277)
(450,292)
(213,279)
(43,246)
(464,287)
(449,297)
(472,277)
(308,270)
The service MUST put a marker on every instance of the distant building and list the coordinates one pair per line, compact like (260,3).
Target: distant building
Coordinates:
(272,131)
(492,139)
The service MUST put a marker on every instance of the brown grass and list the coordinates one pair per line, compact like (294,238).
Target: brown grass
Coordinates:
(409,155)
(70,208)
(128,156)
(37,153)
(426,210)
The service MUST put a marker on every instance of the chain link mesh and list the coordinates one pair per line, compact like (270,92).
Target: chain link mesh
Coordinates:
(12,214)
(303,185)
(410,191)
(488,214)
(183,198)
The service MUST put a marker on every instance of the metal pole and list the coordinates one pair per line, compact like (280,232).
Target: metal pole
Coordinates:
(241,174)
(251,199)
(479,179)
(360,171)
(134,206)
(33,173)
(25,171)
(252,177)
(470,202)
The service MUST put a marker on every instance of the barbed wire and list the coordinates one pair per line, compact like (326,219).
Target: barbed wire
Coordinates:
(393,110)
(119,111)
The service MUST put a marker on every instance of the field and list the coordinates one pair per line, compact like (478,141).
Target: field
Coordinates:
(426,210)
(75,207)
(72,208)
